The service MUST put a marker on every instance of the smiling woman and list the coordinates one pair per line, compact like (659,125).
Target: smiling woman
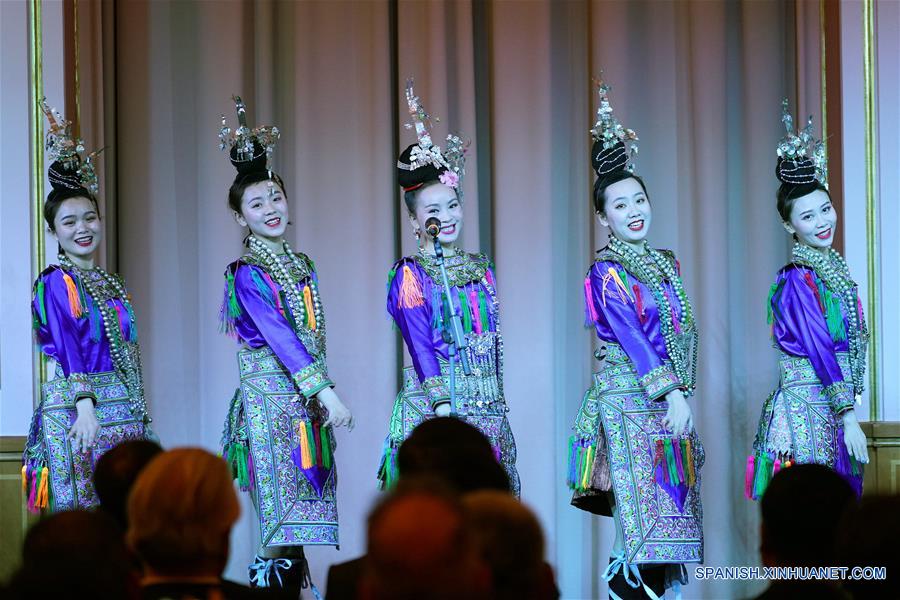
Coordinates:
(272,307)
(819,328)
(84,321)
(635,455)
(416,301)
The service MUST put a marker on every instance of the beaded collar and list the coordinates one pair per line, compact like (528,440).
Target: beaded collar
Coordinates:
(101,287)
(653,268)
(832,269)
(462,268)
(289,270)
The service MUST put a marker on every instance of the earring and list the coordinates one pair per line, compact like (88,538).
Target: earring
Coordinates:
(418,239)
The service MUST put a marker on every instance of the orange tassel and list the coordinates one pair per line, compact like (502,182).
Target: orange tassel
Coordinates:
(690,462)
(74,300)
(24,479)
(410,290)
(42,495)
(310,311)
(305,457)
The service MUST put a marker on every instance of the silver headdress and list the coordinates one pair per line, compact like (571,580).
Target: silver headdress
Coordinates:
(71,168)
(801,158)
(425,152)
(614,145)
(248,146)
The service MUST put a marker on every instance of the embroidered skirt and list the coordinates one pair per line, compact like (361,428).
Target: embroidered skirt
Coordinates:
(798,425)
(282,455)
(620,446)
(479,402)
(57,475)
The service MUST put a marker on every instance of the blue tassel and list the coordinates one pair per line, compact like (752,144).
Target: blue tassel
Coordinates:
(436,319)
(132,323)
(96,322)
(264,290)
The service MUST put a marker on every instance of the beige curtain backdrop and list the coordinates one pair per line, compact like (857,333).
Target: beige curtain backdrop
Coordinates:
(701,83)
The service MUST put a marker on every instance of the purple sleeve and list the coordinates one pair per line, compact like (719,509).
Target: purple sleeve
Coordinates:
(309,375)
(409,302)
(58,331)
(799,311)
(614,307)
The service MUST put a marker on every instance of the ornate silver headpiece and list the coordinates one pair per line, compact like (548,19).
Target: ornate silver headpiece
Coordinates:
(77,167)
(801,152)
(246,143)
(607,130)
(425,152)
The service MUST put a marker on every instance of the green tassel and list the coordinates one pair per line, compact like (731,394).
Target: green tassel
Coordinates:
(623,275)
(763,474)
(310,432)
(262,287)
(466,313)
(234,309)
(670,461)
(238,455)
(770,315)
(326,447)
(82,295)
(289,315)
(42,309)
(132,322)
(483,311)
(833,316)
(390,279)
(97,322)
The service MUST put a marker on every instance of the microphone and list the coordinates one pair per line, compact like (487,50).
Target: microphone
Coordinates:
(433,226)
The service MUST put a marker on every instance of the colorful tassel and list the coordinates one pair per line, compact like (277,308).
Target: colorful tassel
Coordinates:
(670,461)
(317,446)
(390,279)
(475,311)
(748,477)
(43,495)
(833,317)
(267,293)
(466,313)
(305,459)
(620,285)
(815,289)
(310,310)
(388,471)
(483,311)
(639,303)
(75,306)
(24,480)
(42,308)
(770,314)
(689,459)
(233,307)
(238,456)
(590,312)
(311,441)
(437,320)
(489,275)
(410,290)
(588,464)
(326,447)
(679,463)
(32,494)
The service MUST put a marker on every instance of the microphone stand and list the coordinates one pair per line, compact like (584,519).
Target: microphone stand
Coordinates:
(453,331)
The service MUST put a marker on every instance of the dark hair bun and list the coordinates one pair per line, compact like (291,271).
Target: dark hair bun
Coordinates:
(64,177)
(413,179)
(795,172)
(249,164)
(607,160)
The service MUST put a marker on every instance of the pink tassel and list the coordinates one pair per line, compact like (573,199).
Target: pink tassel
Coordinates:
(748,478)
(639,302)
(776,467)
(490,278)
(476,313)
(589,300)
(32,496)
(275,293)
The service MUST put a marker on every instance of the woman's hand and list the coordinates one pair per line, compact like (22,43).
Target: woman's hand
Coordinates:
(442,409)
(678,418)
(84,431)
(854,438)
(338,414)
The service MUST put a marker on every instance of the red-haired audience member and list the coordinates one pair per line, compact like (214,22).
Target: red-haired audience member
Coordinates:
(180,513)
(869,536)
(511,543)
(74,554)
(116,472)
(419,548)
(800,511)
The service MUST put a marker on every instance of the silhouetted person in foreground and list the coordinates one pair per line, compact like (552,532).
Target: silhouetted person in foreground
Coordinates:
(510,541)
(180,513)
(116,472)
(869,536)
(75,554)
(800,511)
(420,548)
